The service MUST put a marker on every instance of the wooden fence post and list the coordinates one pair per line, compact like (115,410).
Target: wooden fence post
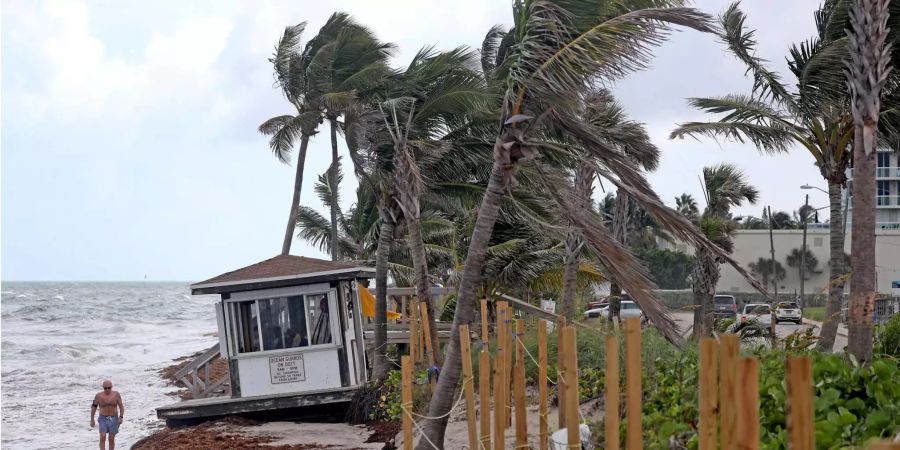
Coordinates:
(543,427)
(633,435)
(485,334)
(709,382)
(611,417)
(468,384)
(510,364)
(415,350)
(560,372)
(748,405)
(499,390)
(484,394)
(406,381)
(728,361)
(798,371)
(429,346)
(573,421)
(519,388)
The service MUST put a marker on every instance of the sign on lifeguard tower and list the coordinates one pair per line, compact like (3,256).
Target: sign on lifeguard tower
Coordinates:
(287,368)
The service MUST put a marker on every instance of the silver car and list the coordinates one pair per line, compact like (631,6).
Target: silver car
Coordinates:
(628,309)
(788,312)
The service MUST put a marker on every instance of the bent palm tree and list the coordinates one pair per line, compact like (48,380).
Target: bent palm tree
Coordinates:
(348,61)
(435,93)
(724,186)
(290,63)
(816,116)
(554,53)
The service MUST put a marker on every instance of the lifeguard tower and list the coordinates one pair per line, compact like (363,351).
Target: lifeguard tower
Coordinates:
(291,330)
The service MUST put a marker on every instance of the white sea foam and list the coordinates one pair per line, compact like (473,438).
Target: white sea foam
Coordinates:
(56,353)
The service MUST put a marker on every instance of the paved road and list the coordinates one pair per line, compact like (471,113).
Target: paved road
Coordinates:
(685,320)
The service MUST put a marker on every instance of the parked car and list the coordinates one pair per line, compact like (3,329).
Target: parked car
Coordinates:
(725,307)
(597,304)
(595,313)
(788,312)
(629,309)
(760,313)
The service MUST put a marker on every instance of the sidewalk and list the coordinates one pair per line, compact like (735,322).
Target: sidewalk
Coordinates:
(841,331)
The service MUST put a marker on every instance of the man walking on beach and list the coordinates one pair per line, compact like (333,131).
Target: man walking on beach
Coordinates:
(108,401)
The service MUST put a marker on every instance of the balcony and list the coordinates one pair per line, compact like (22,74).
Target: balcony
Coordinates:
(887,172)
(887,200)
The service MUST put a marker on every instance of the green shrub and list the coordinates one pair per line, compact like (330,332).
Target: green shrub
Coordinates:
(887,338)
(388,406)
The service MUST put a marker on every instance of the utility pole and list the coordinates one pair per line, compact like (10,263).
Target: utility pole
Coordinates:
(772,244)
(803,250)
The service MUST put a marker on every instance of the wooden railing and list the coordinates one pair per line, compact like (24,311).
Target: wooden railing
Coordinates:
(200,385)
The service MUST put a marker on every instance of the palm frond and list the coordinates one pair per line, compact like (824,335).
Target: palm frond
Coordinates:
(489,48)
(742,43)
(764,137)
(285,60)
(314,228)
(285,131)
(565,45)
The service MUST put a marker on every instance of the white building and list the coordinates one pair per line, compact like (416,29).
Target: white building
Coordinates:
(887,200)
(751,245)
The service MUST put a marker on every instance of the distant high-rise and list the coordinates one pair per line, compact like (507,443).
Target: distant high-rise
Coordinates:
(887,195)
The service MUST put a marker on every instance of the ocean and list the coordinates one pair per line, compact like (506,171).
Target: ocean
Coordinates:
(61,340)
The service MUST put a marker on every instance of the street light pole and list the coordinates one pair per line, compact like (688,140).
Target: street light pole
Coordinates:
(772,244)
(803,251)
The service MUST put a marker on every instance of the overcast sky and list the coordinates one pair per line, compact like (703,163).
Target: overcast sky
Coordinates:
(129,142)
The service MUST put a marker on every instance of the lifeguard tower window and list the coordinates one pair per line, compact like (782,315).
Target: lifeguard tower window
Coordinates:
(281,322)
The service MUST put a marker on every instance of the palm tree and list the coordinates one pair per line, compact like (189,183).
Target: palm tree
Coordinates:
(417,109)
(358,227)
(687,206)
(768,270)
(348,61)
(867,73)
(816,116)
(290,62)
(810,263)
(552,55)
(724,187)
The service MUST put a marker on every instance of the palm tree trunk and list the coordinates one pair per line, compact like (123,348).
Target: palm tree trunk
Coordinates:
(407,198)
(570,274)
(332,173)
(862,252)
(423,286)
(705,276)
(295,200)
(445,393)
(867,71)
(385,238)
(584,177)
(836,269)
(621,217)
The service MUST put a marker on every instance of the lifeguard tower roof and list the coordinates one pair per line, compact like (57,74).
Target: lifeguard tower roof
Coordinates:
(282,270)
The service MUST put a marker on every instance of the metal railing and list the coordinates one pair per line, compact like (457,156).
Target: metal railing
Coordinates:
(887,200)
(887,172)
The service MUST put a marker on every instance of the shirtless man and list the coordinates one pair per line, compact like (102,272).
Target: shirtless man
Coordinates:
(108,401)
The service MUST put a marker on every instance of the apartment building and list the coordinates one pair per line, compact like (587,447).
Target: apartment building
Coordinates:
(887,199)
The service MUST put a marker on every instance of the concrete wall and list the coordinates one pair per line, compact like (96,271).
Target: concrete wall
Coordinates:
(750,245)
